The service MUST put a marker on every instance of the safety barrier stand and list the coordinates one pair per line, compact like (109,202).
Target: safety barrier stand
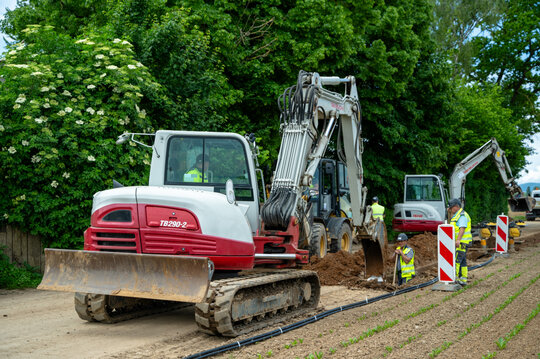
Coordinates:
(446,250)
(501,236)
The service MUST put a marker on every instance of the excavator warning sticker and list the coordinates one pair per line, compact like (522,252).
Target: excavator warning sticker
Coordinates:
(174,224)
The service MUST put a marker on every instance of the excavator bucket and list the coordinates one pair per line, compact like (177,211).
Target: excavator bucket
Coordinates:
(163,277)
(375,250)
(523,204)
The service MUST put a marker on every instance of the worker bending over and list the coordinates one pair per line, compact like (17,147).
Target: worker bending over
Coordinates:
(405,264)
(463,236)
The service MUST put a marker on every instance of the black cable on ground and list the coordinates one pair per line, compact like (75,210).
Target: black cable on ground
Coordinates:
(290,327)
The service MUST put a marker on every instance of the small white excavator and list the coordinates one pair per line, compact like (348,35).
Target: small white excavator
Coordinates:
(196,233)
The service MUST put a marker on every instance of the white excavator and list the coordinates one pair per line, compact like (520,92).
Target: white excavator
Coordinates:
(197,234)
(425,197)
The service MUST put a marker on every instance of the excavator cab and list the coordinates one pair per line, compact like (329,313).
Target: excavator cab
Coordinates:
(329,196)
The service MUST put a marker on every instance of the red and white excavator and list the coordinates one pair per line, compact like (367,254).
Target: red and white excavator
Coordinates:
(197,234)
(425,197)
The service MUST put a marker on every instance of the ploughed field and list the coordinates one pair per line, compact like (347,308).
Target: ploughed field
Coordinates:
(495,316)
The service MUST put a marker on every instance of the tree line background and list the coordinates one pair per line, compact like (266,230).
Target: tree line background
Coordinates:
(436,80)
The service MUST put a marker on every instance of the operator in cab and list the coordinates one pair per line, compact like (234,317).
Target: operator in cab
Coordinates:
(195,174)
(378,210)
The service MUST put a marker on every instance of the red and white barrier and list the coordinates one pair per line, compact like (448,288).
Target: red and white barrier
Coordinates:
(501,234)
(446,250)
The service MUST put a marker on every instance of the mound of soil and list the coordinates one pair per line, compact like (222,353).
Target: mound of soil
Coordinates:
(335,268)
(343,268)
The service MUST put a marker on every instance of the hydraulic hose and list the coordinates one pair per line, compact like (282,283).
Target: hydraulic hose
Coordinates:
(301,323)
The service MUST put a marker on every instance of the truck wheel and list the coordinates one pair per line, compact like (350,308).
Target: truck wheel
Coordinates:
(343,240)
(530,218)
(318,242)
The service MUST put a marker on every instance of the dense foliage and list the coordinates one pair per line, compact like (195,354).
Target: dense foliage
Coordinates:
(13,276)
(220,65)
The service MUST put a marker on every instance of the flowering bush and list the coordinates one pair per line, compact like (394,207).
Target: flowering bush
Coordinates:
(63,102)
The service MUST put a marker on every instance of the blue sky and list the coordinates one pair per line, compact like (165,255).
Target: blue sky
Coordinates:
(533,168)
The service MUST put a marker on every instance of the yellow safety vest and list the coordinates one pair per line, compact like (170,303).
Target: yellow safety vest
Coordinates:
(467,235)
(407,269)
(378,211)
(194,175)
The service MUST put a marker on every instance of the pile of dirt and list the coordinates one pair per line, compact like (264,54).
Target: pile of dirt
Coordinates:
(343,268)
(335,268)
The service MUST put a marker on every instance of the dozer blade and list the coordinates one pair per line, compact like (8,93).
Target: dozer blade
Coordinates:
(164,277)
(521,204)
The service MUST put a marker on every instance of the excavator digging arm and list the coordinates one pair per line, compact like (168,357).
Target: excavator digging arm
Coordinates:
(517,201)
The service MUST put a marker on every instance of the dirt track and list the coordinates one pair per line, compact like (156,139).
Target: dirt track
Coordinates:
(44,324)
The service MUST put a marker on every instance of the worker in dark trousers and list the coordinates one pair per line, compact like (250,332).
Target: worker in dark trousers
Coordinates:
(405,264)
(463,237)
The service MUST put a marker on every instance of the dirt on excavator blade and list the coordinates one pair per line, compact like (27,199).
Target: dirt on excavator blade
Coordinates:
(523,204)
(375,250)
(164,277)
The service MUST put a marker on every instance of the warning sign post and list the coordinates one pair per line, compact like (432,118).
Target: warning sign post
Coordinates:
(446,254)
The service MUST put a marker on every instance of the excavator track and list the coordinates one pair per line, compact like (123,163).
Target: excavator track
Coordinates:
(244,304)
(113,309)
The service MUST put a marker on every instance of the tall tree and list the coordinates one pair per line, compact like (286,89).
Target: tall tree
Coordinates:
(510,57)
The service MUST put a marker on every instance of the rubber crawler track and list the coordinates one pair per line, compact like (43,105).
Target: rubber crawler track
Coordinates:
(112,309)
(215,314)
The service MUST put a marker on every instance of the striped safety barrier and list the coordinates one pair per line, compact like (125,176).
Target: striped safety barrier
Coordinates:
(501,234)
(446,250)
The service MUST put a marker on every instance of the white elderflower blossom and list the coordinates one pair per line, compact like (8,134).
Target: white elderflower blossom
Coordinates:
(54,184)
(116,41)
(21,197)
(90,110)
(91,87)
(44,89)
(20,47)
(112,67)
(146,162)
(97,64)
(120,121)
(125,42)
(68,109)
(36,159)
(102,75)
(36,73)
(81,41)
(21,98)
(39,120)
(19,66)
(66,175)
(66,93)
(25,143)
(46,105)
(139,64)
(2,128)
(12,150)
(61,113)
(16,106)
(13,52)
(60,75)
(91,158)
(6,216)
(132,67)
(73,99)
(101,112)
(100,57)
(79,122)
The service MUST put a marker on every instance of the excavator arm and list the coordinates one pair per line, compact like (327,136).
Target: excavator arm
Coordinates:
(518,201)
(309,115)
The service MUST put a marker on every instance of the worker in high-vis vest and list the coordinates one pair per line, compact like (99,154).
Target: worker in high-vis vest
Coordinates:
(463,237)
(405,263)
(378,210)
(195,174)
